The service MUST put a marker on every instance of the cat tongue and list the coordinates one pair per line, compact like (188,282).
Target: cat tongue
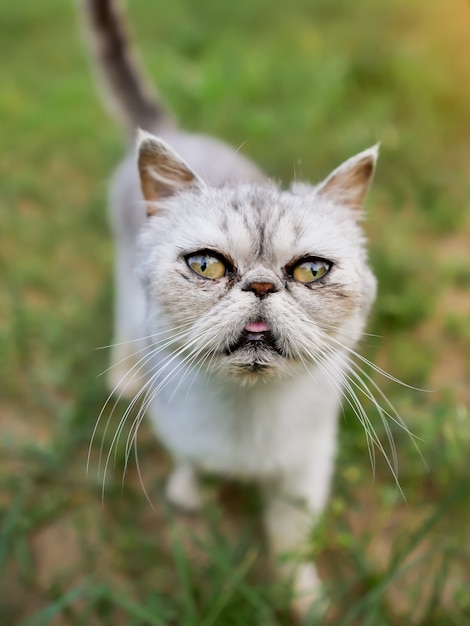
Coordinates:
(257,327)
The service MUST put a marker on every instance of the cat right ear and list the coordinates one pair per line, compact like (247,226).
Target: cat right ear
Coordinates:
(349,183)
(162,171)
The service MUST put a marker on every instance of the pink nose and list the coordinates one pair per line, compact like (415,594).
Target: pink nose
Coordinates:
(261,289)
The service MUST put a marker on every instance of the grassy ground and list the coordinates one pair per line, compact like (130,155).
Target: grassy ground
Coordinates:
(303,85)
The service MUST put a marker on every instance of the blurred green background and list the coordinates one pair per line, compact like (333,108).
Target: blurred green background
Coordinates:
(302,85)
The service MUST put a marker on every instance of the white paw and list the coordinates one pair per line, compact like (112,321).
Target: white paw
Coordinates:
(308,592)
(183,489)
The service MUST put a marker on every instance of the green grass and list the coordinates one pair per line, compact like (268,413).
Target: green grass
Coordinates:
(302,85)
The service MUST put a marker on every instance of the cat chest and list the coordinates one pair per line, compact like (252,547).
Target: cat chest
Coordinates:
(242,434)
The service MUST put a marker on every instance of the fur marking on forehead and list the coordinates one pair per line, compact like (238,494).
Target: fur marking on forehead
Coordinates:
(260,224)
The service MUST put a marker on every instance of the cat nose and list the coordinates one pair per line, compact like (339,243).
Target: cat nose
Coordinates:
(261,289)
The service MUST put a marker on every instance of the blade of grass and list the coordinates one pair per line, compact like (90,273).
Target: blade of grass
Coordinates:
(230,588)
(45,616)
(8,526)
(181,563)
(398,565)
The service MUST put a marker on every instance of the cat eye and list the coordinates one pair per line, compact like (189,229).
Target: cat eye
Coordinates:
(310,270)
(207,265)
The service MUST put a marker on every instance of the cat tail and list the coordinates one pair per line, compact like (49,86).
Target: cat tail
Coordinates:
(127,89)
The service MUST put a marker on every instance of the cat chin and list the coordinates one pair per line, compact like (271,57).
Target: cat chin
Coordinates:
(251,374)
(248,368)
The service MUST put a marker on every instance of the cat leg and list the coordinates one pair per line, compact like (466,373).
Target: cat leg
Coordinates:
(292,508)
(183,488)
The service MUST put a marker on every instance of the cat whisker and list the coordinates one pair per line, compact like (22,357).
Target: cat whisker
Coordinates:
(324,326)
(209,369)
(150,393)
(234,155)
(115,440)
(141,479)
(375,367)
(324,366)
(149,396)
(364,419)
(188,369)
(161,343)
(338,392)
(351,398)
(130,375)
(189,358)
(171,327)
(352,378)
(393,414)
(355,380)
(123,360)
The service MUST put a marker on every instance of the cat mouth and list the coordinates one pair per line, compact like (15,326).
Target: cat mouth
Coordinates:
(256,337)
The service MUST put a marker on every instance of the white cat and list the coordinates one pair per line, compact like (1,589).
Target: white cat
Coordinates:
(249,302)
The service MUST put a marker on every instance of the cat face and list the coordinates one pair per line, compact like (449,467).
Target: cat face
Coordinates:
(252,281)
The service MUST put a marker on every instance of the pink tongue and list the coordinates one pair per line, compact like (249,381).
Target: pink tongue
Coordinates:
(257,327)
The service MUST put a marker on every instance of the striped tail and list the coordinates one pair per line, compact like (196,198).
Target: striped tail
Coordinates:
(128,91)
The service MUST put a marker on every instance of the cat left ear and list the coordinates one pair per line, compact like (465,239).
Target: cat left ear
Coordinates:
(348,184)
(162,171)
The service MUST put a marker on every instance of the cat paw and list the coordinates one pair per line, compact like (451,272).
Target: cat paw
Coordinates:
(308,593)
(183,489)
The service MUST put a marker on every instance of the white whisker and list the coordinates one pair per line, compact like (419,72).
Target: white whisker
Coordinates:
(139,339)
(378,369)
(393,414)
(350,375)
(150,393)
(141,480)
(131,405)
(356,406)
(151,352)
(348,385)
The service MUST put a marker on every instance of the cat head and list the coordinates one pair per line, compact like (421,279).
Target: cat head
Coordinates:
(251,280)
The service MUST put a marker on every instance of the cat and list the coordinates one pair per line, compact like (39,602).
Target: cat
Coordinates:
(241,302)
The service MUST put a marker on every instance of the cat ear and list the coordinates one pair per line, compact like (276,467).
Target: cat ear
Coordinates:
(162,171)
(348,184)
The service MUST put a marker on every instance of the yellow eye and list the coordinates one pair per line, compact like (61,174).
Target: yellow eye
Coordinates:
(206,266)
(311,270)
